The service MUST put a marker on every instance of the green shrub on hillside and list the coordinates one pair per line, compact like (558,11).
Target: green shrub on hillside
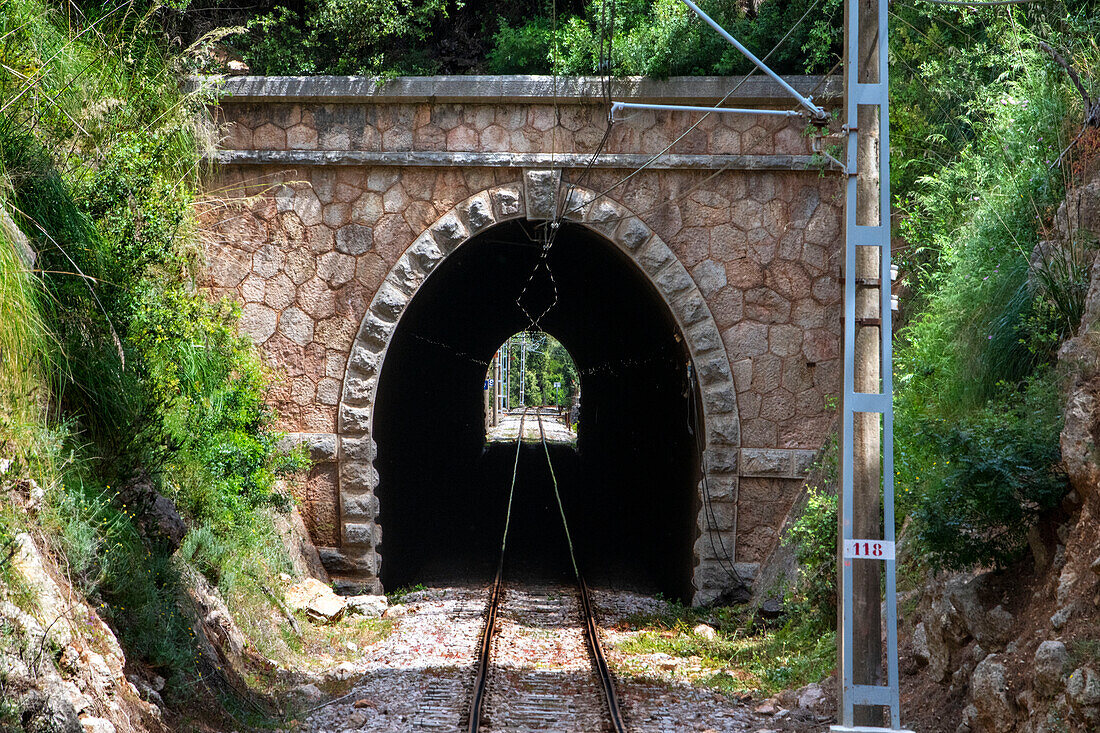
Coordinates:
(976,428)
(142,376)
(996,474)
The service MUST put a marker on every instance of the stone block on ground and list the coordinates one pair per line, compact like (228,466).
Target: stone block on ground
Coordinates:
(316,600)
(367,605)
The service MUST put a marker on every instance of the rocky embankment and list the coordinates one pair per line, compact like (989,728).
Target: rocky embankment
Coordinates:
(1020,650)
(61,666)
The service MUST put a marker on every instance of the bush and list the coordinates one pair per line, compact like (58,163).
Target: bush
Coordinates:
(997,474)
(813,536)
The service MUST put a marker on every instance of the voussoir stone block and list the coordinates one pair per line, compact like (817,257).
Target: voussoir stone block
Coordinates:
(359,387)
(477,211)
(714,368)
(655,256)
(605,215)
(724,429)
(425,253)
(672,280)
(358,476)
(449,232)
(704,336)
(360,506)
(632,233)
(507,202)
(354,420)
(359,449)
(540,193)
(720,398)
(366,360)
(690,307)
(721,459)
(389,303)
(577,203)
(375,331)
(405,275)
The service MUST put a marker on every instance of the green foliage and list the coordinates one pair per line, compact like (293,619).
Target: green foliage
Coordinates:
(979,114)
(548,362)
(997,473)
(665,38)
(652,37)
(813,536)
(120,367)
(744,656)
(377,37)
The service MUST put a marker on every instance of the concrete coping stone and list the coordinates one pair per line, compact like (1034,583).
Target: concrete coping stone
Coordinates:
(517,88)
(470,159)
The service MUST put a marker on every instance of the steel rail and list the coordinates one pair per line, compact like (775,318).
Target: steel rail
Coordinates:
(607,682)
(485,650)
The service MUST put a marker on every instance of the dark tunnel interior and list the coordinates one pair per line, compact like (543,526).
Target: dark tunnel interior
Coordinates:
(628,489)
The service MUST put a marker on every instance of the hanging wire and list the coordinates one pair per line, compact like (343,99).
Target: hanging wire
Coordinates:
(726,559)
(550,229)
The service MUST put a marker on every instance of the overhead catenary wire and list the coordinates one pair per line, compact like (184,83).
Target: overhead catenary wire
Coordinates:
(730,93)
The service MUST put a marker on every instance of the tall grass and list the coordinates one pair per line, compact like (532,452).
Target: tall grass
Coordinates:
(26,347)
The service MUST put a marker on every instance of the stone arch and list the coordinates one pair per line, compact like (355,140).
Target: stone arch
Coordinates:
(536,196)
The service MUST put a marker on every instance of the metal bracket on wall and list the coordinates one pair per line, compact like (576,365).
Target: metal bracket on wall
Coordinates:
(859,549)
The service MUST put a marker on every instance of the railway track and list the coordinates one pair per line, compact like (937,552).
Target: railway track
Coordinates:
(541,666)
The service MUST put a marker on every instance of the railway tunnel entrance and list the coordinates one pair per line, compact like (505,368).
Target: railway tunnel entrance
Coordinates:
(628,486)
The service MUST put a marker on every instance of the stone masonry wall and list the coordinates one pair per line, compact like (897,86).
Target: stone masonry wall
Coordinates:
(325,198)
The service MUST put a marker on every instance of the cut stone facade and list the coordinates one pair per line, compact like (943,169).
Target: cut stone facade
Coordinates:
(345,196)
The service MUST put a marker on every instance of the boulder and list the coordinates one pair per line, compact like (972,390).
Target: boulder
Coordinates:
(395,611)
(316,600)
(996,711)
(156,514)
(1051,659)
(1083,687)
(705,631)
(921,653)
(815,699)
(305,695)
(367,605)
(1060,617)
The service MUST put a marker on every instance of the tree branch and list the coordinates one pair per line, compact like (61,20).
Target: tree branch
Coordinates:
(1090,112)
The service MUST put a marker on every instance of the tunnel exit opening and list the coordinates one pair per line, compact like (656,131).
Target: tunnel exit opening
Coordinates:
(629,487)
(532,369)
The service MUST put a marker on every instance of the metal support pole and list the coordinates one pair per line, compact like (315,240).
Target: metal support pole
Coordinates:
(617,106)
(523,369)
(866,531)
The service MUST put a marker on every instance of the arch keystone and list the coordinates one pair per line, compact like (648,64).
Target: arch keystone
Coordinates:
(540,193)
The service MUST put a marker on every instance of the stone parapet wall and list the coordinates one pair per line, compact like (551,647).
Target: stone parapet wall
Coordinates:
(323,249)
